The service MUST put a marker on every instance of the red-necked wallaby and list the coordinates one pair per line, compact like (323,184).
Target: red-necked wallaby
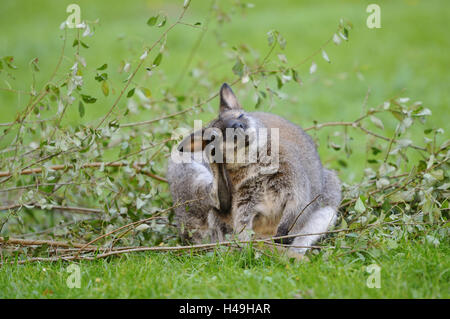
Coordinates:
(282,190)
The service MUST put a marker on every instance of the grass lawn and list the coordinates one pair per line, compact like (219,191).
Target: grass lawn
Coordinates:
(410,271)
(407,57)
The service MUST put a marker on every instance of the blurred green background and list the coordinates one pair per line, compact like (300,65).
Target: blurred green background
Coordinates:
(408,56)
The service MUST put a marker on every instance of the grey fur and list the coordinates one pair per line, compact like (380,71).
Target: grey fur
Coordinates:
(270,203)
(198,221)
(267,203)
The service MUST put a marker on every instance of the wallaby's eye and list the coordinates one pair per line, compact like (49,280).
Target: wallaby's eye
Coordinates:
(240,116)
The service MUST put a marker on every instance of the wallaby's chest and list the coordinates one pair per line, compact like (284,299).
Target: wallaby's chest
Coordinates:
(259,197)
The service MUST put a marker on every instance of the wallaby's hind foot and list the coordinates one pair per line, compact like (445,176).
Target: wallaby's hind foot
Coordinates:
(318,223)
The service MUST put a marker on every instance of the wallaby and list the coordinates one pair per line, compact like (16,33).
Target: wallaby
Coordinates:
(298,197)
(201,194)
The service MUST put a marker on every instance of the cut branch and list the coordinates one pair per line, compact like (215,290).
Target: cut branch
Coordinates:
(33,242)
(81,210)
(137,166)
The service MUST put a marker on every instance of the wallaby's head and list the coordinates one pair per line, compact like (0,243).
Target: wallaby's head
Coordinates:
(234,129)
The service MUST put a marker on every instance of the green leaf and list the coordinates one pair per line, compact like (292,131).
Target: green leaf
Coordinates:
(335,146)
(375,120)
(295,76)
(270,38)
(342,163)
(101,77)
(375,150)
(163,22)
(325,56)
(130,93)
(103,67)
(105,88)
(152,21)
(279,83)
(77,42)
(147,92)
(88,99)
(281,41)
(238,68)
(258,102)
(8,60)
(157,60)
(81,109)
(346,33)
(359,206)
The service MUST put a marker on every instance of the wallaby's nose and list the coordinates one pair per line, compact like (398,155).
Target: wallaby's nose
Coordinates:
(237,125)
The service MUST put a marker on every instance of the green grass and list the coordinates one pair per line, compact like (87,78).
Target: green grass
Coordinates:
(411,271)
(410,52)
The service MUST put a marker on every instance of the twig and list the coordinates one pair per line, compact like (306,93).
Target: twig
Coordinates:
(357,125)
(266,241)
(195,47)
(137,166)
(296,218)
(155,215)
(397,185)
(81,210)
(16,91)
(176,113)
(33,242)
(47,230)
(40,185)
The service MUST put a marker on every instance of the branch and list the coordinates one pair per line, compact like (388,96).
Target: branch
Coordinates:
(33,242)
(356,124)
(139,222)
(398,185)
(267,241)
(301,212)
(80,210)
(137,166)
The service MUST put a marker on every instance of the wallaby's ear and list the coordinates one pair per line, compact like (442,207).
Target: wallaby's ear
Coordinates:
(193,142)
(228,100)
